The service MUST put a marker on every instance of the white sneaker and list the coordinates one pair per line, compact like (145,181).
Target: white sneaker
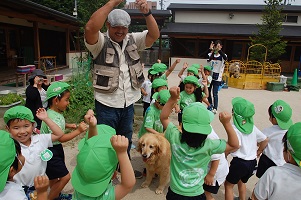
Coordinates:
(214,111)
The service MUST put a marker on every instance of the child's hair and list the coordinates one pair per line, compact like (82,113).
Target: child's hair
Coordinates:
(270,112)
(154,76)
(194,140)
(284,141)
(60,96)
(15,164)
(198,94)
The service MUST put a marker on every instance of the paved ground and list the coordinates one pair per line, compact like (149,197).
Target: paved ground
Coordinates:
(261,98)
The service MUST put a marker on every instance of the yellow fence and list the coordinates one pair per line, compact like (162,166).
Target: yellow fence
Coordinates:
(251,74)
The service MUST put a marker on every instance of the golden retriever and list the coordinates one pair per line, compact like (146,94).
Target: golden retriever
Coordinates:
(155,151)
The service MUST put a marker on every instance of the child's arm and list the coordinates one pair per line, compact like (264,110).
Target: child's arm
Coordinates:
(57,132)
(209,178)
(202,72)
(205,89)
(41,184)
(167,108)
(70,126)
(143,92)
(82,127)
(185,65)
(233,143)
(151,130)
(92,121)
(120,144)
(173,66)
(261,146)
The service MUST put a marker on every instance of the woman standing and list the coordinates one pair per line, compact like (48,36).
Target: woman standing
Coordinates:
(36,93)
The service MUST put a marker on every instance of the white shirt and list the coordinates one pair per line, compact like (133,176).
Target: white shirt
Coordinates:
(248,143)
(125,94)
(279,183)
(147,86)
(34,166)
(223,166)
(43,96)
(12,191)
(274,149)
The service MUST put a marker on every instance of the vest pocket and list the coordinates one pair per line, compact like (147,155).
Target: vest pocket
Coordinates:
(137,76)
(110,55)
(105,79)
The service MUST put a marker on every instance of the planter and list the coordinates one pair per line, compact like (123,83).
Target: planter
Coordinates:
(4,108)
(138,109)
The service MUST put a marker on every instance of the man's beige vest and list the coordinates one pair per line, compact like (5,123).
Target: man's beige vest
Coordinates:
(106,67)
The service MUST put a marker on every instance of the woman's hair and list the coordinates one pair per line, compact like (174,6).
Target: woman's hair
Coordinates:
(15,164)
(194,140)
(31,81)
(270,112)
(60,96)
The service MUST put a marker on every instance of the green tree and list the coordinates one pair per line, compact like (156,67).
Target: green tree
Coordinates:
(268,33)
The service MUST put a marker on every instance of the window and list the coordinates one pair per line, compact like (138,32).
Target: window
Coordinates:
(290,19)
(237,51)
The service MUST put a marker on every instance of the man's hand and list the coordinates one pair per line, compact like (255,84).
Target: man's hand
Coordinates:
(142,6)
(119,143)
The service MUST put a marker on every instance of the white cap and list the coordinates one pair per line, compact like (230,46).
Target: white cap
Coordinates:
(118,17)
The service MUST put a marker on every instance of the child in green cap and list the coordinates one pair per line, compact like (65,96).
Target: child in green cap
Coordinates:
(58,95)
(151,122)
(158,85)
(191,93)
(191,150)
(11,162)
(283,182)
(20,124)
(159,70)
(97,160)
(280,114)
(251,141)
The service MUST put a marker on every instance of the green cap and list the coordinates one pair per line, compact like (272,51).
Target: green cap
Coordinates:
(197,66)
(7,156)
(208,67)
(96,163)
(283,113)
(155,95)
(193,70)
(159,82)
(294,141)
(163,96)
(243,111)
(56,88)
(196,118)
(158,68)
(18,112)
(192,79)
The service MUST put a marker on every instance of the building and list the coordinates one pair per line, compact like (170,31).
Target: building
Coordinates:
(194,26)
(132,5)
(29,31)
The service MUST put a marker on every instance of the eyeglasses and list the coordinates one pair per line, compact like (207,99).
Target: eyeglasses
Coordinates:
(19,160)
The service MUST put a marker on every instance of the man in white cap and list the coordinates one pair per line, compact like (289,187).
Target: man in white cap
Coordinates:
(117,72)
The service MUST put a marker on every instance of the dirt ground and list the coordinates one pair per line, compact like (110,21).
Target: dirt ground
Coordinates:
(262,99)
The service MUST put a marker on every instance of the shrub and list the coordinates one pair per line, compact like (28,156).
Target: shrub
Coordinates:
(11,98)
